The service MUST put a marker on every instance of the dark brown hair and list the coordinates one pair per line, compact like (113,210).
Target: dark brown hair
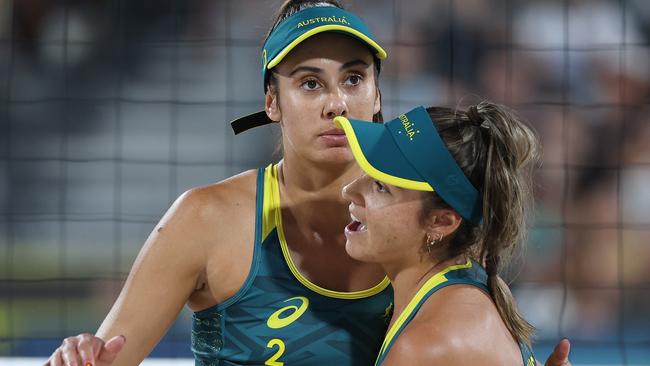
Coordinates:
(291,7)
(497,151)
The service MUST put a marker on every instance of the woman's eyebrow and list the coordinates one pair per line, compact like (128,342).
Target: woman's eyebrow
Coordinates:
(317,70)
(312,69)
(353,63)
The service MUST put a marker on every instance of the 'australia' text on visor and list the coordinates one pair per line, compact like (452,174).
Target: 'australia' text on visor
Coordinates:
(307,22)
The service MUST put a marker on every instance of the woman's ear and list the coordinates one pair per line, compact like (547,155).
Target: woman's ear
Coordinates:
(377,106)
(271,105)
(443,222)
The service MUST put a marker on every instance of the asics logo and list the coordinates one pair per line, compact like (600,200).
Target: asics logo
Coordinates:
(288,314)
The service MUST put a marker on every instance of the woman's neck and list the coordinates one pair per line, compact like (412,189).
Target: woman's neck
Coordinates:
(303,176)
(313,195)
(408,279)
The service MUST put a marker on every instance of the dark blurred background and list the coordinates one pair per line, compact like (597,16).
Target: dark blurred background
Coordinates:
(109,109)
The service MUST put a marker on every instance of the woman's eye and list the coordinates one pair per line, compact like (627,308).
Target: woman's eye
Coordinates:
(380,186)
(310,85)
(353,80)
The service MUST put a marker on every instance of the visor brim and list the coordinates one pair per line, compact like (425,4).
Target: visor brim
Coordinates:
(378,155)
(380,53)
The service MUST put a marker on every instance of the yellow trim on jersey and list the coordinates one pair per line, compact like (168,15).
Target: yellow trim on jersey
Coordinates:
(381,54)
(432,282)
(365,165)
(274,213)
(269,206)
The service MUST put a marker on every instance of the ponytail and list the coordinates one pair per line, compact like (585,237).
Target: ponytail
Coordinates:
(507,199)
(497,152)
(519,327)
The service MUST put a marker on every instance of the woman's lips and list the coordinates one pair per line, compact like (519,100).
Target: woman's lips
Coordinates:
(334,137)
(334,131)
(355,227)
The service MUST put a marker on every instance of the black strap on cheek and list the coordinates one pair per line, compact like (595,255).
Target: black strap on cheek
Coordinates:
(245,123)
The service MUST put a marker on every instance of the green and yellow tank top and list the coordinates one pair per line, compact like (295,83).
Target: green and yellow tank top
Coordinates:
(470,273)
(279,317)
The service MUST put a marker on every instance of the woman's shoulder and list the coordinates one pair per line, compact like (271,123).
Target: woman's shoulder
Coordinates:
(215,206)
(457,325)
(457,314)
(469,303)
(243,184)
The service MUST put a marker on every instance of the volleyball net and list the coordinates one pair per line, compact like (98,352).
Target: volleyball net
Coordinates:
(110,109)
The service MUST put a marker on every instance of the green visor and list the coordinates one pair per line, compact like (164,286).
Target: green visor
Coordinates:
(408,152)
(293,31)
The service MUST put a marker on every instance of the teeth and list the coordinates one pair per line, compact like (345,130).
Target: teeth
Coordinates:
(354,218)
(361,227)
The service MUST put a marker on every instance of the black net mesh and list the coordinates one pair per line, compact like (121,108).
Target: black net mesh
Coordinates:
(112,108)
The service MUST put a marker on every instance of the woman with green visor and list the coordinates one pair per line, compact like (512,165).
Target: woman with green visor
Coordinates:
(260,257)
(441,204)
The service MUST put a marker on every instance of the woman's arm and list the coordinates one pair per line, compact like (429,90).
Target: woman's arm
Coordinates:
(163,277)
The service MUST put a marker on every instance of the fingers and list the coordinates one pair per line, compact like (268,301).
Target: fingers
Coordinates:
(111,349)
(560,355)
(565,346)
(88,348)
(49,360)
(69,352)
(55,359)
(81,350)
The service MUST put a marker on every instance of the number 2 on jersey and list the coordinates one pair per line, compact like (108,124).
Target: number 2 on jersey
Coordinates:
(273,361)
(281,319)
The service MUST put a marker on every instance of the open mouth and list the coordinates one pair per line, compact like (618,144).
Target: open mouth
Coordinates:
(355,225)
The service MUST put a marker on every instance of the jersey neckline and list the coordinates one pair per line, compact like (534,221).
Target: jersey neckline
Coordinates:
(271,182)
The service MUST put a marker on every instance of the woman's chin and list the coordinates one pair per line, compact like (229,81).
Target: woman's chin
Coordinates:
(336,155)
(356,251)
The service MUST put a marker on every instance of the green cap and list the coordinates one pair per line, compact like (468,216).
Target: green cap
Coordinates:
(294,30)
(408,152)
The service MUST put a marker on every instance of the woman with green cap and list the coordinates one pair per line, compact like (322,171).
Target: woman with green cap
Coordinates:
(442,202)
(260,257)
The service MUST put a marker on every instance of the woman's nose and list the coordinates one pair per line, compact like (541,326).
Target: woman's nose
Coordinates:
(336,105)
(351,192)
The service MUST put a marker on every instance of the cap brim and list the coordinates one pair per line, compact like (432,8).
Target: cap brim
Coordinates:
(380,53)
(257,119)
(378,155)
